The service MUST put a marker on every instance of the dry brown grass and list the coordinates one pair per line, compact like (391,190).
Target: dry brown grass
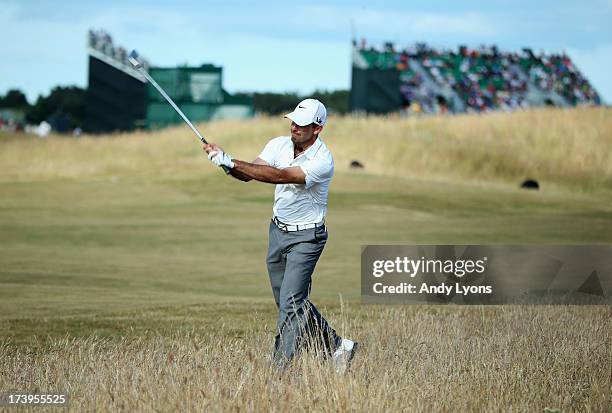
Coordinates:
(565,147)
(508,358)
(562,147)
(412,359)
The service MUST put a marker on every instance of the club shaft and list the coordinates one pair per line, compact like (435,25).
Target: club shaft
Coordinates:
(171,102)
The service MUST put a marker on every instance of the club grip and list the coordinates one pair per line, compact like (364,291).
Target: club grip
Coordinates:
(226,169)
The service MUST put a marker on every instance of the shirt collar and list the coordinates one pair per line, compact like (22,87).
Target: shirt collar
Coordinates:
(310,152)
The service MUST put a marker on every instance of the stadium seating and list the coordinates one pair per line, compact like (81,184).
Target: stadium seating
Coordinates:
(478,80)
(557,73)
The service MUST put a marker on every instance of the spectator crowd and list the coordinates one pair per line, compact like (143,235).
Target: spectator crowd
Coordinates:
(557,72)
(102,42)
(483,78)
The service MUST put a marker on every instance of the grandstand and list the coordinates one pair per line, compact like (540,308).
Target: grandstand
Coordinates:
(422,79)
(118,97)
(115,99)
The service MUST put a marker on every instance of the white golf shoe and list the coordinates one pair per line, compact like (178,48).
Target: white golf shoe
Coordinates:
(343,355)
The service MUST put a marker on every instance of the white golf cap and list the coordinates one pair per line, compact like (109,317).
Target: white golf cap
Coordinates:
(309,111)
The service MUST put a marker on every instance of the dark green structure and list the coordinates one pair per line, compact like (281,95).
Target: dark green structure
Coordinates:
(197,91)
(119,98)
(115,99)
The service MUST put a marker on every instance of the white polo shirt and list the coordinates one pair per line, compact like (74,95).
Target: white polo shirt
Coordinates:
(296,204)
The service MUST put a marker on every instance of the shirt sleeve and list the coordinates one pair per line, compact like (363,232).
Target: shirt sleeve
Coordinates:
(268,154)
(318,171)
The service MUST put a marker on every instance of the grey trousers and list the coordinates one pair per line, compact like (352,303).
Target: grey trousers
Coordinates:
(291,260)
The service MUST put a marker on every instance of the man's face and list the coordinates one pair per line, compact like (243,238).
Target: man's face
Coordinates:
(303,134)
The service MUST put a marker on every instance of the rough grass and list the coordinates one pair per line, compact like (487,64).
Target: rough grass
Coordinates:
(132,273)
(566,147)
(412,359)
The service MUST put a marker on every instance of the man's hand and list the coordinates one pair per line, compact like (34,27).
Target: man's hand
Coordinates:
(209,147)
(220,158)
(217,155)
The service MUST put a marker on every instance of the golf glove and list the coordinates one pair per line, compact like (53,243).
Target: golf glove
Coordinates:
(220,158)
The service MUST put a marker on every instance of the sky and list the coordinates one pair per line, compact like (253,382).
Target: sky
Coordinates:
(281,46)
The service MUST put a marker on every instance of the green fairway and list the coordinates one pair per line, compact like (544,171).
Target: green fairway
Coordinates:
(97,246)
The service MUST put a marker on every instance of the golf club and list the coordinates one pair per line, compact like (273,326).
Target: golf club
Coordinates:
(133,59)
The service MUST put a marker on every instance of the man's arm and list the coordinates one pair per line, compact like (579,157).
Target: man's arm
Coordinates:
(243,177)
(260,171)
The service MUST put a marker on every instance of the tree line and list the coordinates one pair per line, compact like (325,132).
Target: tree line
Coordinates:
(336,101)
(68,104)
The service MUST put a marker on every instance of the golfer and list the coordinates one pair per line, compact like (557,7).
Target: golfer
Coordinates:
(302,167)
